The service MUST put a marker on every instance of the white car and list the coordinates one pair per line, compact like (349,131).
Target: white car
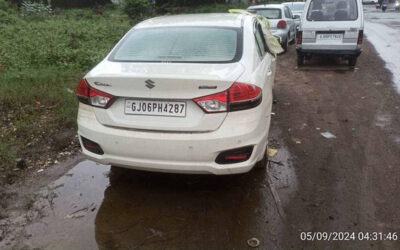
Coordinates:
(183,94)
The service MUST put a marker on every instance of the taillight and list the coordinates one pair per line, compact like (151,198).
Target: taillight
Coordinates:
(282,24)
(243,96)
(299,37)
(360,37)
(239,96)
(92,96)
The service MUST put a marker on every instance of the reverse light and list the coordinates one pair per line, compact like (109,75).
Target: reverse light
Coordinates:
(213,103)
(92,96)
(360,37)
(282,24)
(239,96)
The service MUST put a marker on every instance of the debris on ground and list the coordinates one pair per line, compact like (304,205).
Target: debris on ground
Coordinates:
(272,152)
(253,242)
(328,135)
(81,212)
(21,164)
(296,141)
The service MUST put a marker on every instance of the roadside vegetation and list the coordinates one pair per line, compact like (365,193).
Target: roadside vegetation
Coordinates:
(44,52)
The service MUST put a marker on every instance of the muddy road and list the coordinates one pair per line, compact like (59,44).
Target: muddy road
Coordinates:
(313,184)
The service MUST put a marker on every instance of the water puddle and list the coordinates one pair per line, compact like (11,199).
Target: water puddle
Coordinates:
(101,207)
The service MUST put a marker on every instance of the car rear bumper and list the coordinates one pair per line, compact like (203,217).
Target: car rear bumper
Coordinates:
(193,153)
(337,52)
(281,33)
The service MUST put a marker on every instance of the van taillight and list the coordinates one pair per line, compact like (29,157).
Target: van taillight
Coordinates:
(282,24)
(360,37)
(299,37)
(239,96)
(92,96)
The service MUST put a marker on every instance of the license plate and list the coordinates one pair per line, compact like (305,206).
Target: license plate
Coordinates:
(330,37)
(155,108)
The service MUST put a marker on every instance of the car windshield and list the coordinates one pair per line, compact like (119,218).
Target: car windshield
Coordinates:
(179,44)
(296,6)
(332,10)
(270,13)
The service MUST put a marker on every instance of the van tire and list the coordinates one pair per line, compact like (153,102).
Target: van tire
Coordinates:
(300,59)
(352,61)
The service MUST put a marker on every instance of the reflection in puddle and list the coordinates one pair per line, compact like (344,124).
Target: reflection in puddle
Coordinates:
(95,206)
(68,207)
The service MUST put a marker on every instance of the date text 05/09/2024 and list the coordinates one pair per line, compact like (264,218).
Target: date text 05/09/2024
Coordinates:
(349,236)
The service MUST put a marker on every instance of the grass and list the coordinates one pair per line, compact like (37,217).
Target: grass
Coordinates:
(42,59)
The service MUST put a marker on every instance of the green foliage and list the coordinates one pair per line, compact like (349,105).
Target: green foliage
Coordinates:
(41,63)
(138,9)
(77,38)
(77,3)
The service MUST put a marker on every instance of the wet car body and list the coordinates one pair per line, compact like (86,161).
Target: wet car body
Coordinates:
(177,112)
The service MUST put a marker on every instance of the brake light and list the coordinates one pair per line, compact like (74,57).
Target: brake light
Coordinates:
(92,96)
(299,37)
(360,37)
(282,24)
(239,96)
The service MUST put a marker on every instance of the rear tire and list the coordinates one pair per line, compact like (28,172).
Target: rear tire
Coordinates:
(352,61)
(285,45)
(300,59)
(294,39)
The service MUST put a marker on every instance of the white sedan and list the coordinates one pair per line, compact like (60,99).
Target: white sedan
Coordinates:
(183,94)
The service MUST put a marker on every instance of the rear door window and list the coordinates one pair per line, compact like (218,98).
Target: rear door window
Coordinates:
(260,40)
(330,10)
(288,13)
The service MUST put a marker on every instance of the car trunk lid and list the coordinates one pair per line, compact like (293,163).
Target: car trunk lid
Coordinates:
(157,83)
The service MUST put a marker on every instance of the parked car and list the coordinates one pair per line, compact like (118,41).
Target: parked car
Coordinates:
(184,94)
(282,22)
(297,9)
(369,1)
(333,28)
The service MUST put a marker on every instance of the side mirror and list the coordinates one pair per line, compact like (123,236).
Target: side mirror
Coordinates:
(296,17)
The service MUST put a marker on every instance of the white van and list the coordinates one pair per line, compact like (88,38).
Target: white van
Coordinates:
(331,27)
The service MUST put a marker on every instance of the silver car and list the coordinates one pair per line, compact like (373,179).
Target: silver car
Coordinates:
(281,20)
(297,9)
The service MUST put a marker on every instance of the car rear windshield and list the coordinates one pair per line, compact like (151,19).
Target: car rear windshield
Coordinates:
(332,10)
(296,6)
(270,13)
(180,44)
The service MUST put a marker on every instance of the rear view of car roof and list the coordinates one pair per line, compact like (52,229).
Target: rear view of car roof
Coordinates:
(212,20)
